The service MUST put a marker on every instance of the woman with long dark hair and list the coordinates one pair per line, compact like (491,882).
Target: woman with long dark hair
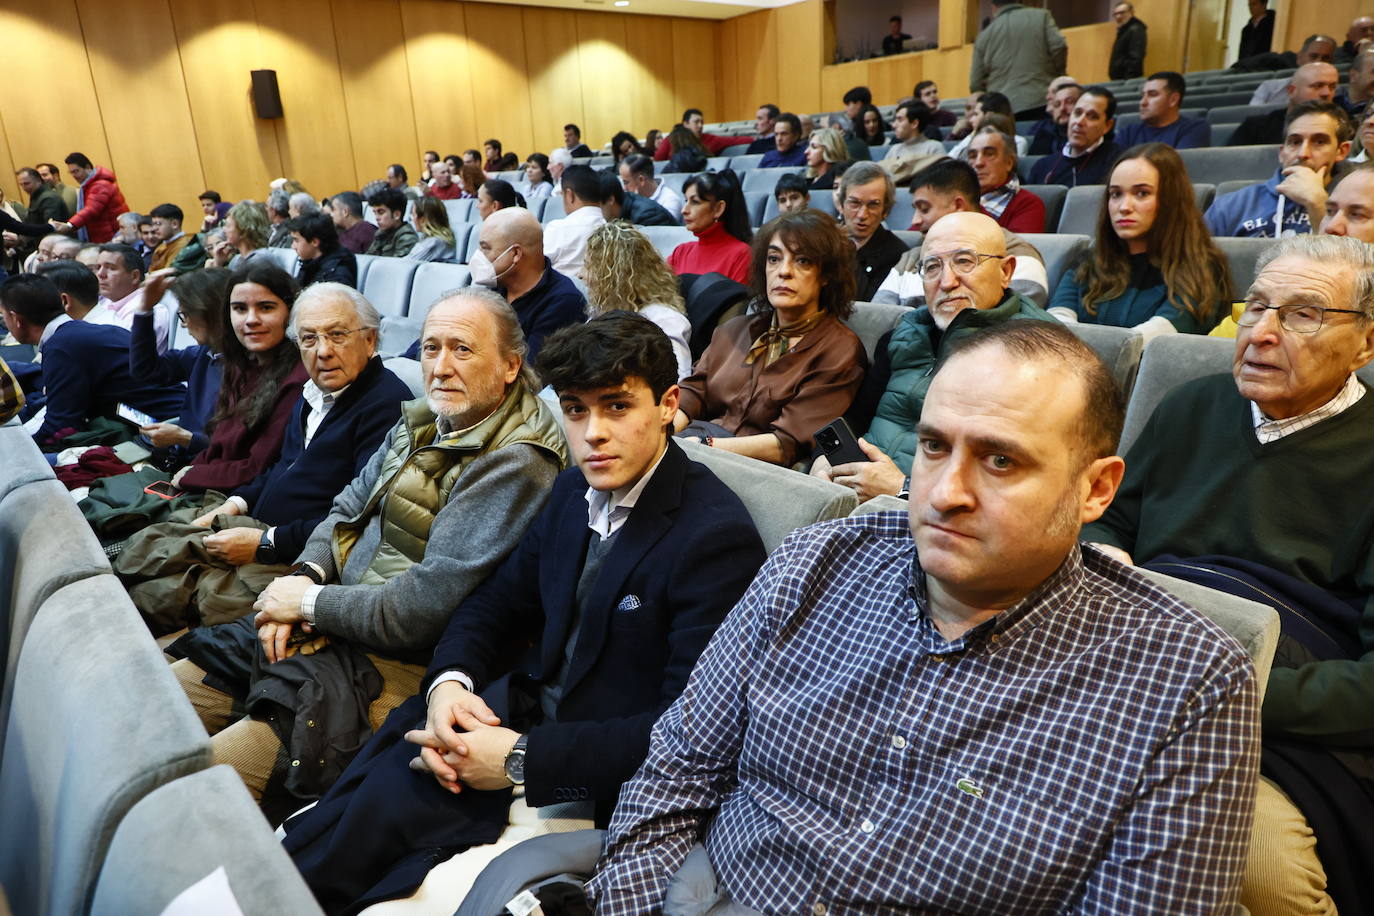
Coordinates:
(262,377)
(771,378)
(1154,265)
(497,194)
(714,209)
(624,144)
(537,175)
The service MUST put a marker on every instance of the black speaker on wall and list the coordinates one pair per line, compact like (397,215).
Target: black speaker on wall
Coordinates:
(266,96)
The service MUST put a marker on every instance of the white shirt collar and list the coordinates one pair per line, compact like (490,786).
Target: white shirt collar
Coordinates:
(1069,155)
(1268,430)
(607,512)
(589,214)
(50,327)
(320,400)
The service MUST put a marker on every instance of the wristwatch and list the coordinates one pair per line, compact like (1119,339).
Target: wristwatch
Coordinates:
(515,761)
(905,491)
(267,551)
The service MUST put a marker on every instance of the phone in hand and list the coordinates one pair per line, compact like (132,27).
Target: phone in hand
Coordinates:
(838,443)
(131,415)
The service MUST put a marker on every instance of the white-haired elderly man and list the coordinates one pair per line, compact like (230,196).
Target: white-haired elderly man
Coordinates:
(1259,483)
(559,160)
(442,501)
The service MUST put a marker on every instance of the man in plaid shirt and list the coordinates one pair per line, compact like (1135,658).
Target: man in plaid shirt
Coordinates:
(11,395)
(964,710)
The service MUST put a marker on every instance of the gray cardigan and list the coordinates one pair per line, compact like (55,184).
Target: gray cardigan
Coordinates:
(495,499)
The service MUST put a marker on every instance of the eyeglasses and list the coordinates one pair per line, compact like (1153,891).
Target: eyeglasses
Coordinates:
(854,204)
(338,337)
(1303,319)
(962,262)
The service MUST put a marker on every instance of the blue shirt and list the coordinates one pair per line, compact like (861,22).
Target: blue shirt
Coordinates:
(1251,212)
(1185,133)
(775,160)
(1095,746)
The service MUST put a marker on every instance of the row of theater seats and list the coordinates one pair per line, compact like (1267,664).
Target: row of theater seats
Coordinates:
(107,795)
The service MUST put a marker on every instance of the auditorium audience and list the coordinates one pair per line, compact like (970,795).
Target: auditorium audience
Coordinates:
(1361,30)
(992,153)
(870,129)
(993,109)
(625,272)
(686,153)
(866,194)
(715,210)
(1161,97)
(771,378)
(356,234)
(1052,131)
(928,94)
(1244,482)
(427,160)
(618,203)
(444,499)
(398,178)
(120,272)
(637,174)
(470,178)
(85,367)
(442,185)
(496,160)
(908,130)
(246,229)
(572,141)
(1089,151)
(624,144)
(575,714)
(1356,96)
(98,201)
(200,296)
(178,574)
(787,148)
(693,123)
(300,203)
(963,125)
(1018,53)
(565,239)
(278,212)
(45,203)
(1313,82)
(559,160)
(53,176)
(792,192)
(952,648)
(395,237)
(1350,207)
(210,202)
(825,149)
(261,381)
(764,121)
(436,242)
(11,394)
(1257,35)
(967,274)
(1152,265)
(178,250)
(77,287)
(1317,138)
(496,194)
(537,176)
(322,258)
(1316,49)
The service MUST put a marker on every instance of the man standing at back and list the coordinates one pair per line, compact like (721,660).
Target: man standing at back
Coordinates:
(1018,54)
(958,709)
(1128,50)
(98,201)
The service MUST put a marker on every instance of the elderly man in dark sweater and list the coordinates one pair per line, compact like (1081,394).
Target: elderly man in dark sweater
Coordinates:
(1262,482)
(437,507)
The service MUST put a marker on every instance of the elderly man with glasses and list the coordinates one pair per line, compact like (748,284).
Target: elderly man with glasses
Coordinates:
(967,274)
(866,197)
(1259,483)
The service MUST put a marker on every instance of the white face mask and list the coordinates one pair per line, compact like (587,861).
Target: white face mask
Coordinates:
(483,271)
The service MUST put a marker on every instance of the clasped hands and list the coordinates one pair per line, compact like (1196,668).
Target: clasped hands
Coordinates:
(463,742)
(235,546)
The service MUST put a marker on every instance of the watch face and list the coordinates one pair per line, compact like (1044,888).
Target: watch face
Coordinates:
(515,766)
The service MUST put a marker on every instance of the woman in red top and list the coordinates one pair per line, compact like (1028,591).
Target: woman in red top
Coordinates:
(262,376)
(714,209)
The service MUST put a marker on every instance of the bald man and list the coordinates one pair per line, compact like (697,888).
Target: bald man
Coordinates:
(510,259)
(967,275)
(1361,29)
(1314,81)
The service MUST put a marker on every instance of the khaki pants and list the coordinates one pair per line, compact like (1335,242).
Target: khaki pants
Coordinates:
(249,745)
(1284,876)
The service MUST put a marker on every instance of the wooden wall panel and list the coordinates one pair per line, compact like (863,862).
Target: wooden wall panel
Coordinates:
(699,60)
(607,74)
(313,136)
(8,182)
(500,85)
(1296,20)
(648,40)
(1090,51)
(555,77)
(238,151)
(732,106)
(758,61)
(440,79)
(372,64)
(137,72)
(42,39)
(838,79)
(799,44)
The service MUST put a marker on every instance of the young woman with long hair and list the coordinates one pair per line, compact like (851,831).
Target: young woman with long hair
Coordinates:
(436,236)
(623,270)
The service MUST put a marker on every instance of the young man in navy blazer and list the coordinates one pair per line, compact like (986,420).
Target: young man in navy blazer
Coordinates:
(551,674)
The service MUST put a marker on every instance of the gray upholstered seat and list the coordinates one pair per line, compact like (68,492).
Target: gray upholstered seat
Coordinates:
(432,281)
(20,460)
(387,285)
(767,179)
(459,211)
(286,258)
(1215,164)
(881,503)
(757,201)
(1241,255)
(666,238)
(365,262)
(397,334)
(408,371)
(184,831)
(746,162)
(98,722)
(1059,251)
(1052,195)
(1081,206)
(871,320)
(779,500)
(1119,348)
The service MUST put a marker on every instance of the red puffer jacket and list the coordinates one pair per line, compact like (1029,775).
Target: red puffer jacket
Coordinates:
(100,206)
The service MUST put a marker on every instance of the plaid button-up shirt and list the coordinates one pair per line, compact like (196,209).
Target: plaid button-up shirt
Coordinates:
(11,395)
(1093,748)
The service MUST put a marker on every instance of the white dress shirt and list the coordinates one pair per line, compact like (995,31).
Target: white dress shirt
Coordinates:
(1267,430)
(668,199)
(565,240)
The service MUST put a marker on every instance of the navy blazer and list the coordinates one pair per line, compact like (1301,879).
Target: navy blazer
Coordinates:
(684,557)
(296,492)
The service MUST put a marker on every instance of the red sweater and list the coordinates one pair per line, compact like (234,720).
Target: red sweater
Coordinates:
(714,251)
(452,192)
(1025,213)
(101,204)
(235,454)
(714,144)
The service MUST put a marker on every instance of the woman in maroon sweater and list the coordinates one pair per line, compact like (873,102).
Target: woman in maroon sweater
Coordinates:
(714,209)
(262,379)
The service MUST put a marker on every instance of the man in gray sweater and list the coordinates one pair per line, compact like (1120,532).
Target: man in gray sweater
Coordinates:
(436,509)
(1018,54)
